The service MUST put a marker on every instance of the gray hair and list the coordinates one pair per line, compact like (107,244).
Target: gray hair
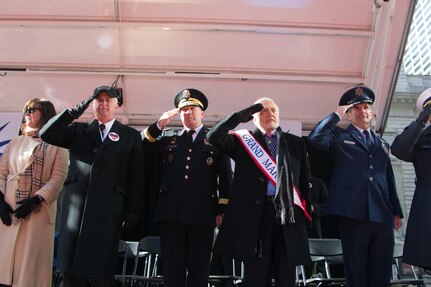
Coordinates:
(266,99)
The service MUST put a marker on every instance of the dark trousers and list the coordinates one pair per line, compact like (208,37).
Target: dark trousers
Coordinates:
(72,280)
(367,252)
(186,250)
(259,270)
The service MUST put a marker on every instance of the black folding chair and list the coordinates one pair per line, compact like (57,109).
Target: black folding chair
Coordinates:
(149,251)
(128,251)
(235,278)
(329,251)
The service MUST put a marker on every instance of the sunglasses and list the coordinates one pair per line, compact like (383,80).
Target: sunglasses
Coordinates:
(31,110)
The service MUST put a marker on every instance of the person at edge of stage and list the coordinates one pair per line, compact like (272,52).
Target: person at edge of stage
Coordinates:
(32,173)
(413,145)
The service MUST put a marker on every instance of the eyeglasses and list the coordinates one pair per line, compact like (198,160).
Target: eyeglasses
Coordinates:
(31,110)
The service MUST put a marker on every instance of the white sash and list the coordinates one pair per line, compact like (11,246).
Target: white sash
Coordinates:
(266,164)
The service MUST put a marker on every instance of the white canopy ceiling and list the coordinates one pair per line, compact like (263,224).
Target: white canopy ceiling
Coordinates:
(302,53)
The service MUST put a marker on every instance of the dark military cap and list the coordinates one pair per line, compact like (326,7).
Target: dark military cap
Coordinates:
(190,97)
(357,95)
(424,99)
(111,91)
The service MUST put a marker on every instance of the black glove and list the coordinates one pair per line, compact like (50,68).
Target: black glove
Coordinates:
(130,219)
(5,211)
(27,206)
(424,115)
(246,115)
(79,109)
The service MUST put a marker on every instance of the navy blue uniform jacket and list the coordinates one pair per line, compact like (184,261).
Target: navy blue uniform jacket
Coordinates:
(362,185)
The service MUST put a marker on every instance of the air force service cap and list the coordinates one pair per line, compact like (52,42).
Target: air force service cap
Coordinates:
(190,97)
(357,95)
(111,91)
(424,99)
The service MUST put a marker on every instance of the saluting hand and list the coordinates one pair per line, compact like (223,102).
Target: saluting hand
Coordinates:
(424,116)
(342,110)
(80,108)
(167,117)
(246,115)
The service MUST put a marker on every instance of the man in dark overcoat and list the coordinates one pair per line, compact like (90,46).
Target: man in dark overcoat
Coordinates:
(102,191)
(362,194)
(414,145)
(266,222)
(193,193)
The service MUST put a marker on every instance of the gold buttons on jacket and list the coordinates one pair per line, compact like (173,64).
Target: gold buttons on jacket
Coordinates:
(187,166)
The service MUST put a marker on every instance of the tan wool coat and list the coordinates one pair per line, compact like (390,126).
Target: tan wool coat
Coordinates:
(26,248)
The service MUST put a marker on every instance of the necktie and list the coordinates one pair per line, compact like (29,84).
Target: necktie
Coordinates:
(102,130)
(191,132)
(367,139)
(270,142)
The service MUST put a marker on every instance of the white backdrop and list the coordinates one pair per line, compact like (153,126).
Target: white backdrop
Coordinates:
(9,128)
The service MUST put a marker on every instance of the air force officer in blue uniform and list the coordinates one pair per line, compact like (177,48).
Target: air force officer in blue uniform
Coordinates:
(362,193)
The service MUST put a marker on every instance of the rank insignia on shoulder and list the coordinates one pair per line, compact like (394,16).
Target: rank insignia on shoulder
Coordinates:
(385,148)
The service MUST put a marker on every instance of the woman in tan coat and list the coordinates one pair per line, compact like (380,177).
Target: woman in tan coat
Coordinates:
(32,173)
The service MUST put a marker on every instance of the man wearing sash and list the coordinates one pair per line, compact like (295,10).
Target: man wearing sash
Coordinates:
(267,218)
(362,193)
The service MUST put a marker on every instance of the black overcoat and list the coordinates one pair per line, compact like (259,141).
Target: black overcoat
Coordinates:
(239,233)
(414,145)
(104,182)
